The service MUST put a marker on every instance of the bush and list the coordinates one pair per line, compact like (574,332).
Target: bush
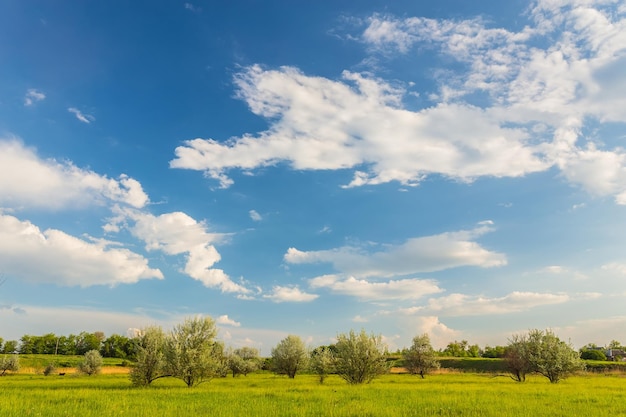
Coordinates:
(593,355)
(10,363)
(49,369)
(92,364)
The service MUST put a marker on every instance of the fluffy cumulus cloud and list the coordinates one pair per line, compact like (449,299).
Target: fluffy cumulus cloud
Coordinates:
(227,321)
(175,234)
(536,87)
(289,294)
(420,254)
(359,123)
(52,256)
(26,180)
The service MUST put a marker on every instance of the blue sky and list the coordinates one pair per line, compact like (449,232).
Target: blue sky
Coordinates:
(313,167)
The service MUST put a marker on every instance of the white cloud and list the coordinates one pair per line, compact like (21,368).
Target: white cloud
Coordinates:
(538,99)
(404,289)
(321,124)
(291,294)
(83,117)
(577,76)
(359,319)
(32,96)
(29,181)
(52,256)
(177,233)
(225,320)
(465,305)
(254,215)
(422,254)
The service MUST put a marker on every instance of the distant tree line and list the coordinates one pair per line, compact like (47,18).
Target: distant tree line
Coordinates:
(114,346)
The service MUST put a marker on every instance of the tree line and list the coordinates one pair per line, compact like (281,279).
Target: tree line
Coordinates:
(192,353)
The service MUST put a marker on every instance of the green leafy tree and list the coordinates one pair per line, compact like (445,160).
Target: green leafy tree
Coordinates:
(91,364)
(552,357)
(191,352)
(243,361)
(117,346)
(9,363)
(150,365)
(322,362)
(544,353)
(420,358)
(517,358)
(592,354)
(456,349)
(10,346)
(494,352)
(289,356)
(360,357)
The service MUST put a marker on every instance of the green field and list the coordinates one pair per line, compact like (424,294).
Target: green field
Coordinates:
(445,394)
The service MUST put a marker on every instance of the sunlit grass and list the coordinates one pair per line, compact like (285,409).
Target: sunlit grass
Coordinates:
(269,395)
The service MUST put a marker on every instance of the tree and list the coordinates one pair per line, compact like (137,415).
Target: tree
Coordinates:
(243,361)
(456,349)
(150,357)
(191,352)
(10,346)
(592,354)
(494,352)
(517,359)
(542,352)
(322,362)
(289,356)
(11,363)
(359,358)
(420,357)
(91,364)
(552,357)
(117,346)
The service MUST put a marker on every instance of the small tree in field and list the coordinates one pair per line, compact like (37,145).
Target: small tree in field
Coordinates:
(243,361)
(322,362)
(290,356)
(552,357)
(542,352)
(191,352)
(517,358)
(420,357)
(359,358)
(91,364)
(10,363)
(150,357)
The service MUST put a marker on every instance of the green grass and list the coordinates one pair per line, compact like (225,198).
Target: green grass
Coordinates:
(268,395)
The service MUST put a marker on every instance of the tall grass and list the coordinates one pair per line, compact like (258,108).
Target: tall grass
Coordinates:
(269,395)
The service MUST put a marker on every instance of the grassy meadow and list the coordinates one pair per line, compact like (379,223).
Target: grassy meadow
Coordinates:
(264,394)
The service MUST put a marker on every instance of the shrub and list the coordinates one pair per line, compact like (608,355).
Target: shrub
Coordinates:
(92,364)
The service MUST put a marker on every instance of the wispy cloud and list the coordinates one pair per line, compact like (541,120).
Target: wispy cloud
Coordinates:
(420,254)
(291,294)
(403,289)
(32,96)
(83,117)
